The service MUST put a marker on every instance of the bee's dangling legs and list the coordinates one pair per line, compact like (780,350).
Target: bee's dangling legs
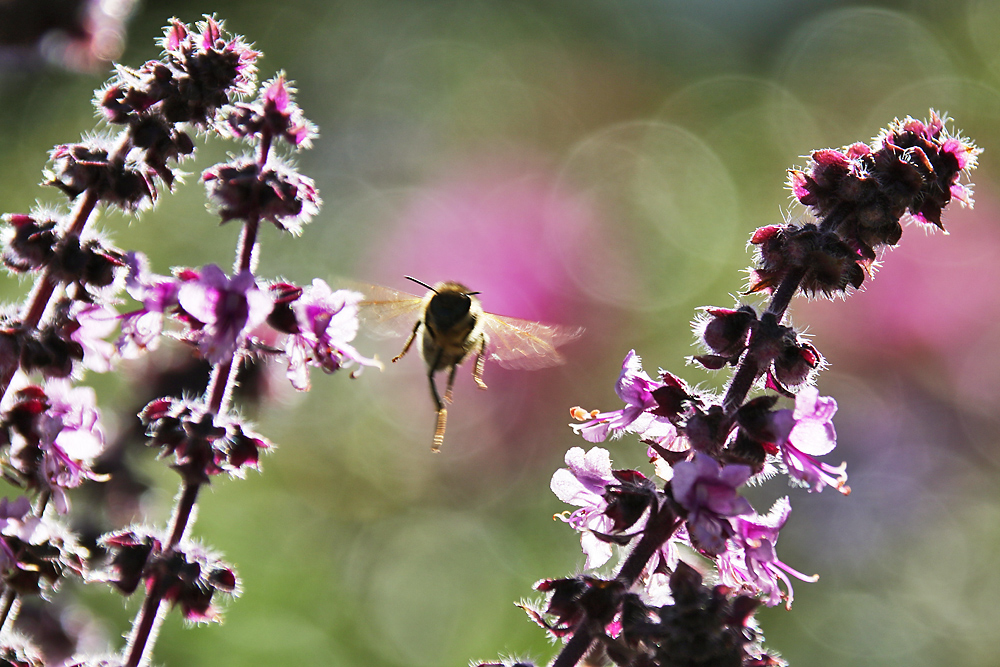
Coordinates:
(442,412)
(477,370)
(442,419)
(442,415)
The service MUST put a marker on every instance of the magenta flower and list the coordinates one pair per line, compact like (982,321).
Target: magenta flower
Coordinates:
(636,389)
(327,322)
(753,563)
(583,483)
(141,329)
(228,307)
(811,434)
(95,323)
(708,492)
(71,438)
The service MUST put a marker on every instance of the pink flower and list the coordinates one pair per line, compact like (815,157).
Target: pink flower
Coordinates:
(228,307)
(753,563)
(583,483)
(707,491)
(327,322)
(811,435)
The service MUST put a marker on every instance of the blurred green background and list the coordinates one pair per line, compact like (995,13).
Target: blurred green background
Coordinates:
(594,162)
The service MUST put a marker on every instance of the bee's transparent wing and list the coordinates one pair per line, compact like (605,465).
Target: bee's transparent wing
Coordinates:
(523,344)
(387,312)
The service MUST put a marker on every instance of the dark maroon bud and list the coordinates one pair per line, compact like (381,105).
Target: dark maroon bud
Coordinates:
(726,330)
(243,191)
(630,499)
(84,166)
(282,317)
(50,354)
(672,399)
(754,419)
(796,363)
(31,248)
(745,450)
(130,554)
(705,429)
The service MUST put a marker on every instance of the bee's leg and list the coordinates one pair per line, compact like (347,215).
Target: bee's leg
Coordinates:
(451,382)
(442,412)
(477,370)
(406,346)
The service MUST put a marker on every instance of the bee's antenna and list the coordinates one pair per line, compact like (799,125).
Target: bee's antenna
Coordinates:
(421,282)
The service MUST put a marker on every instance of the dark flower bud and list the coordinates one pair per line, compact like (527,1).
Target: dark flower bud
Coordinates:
(796,363)
(725,331)
(825,262)
(187,574)
(86,263)
(49,353)
(862,192)
(282,317)
(192,577)
(704,626)
(130,554)
(211,69)
(275,114)
(84,166)
(161,142)
(277,194)
(674,398)
(202,444)
(706,430)
(31,247)
(36,552)
(630,499)
(754,420)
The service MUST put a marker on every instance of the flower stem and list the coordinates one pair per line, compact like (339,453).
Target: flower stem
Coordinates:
(7,601)
(749,368)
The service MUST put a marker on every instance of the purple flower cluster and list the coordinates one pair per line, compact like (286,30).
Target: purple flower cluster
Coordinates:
(51,438)
(656,609)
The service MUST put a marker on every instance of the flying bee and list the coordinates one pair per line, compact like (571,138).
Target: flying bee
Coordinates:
(452,326)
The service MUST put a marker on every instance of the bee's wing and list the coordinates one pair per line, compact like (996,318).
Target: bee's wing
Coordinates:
(387,312)
(523,344)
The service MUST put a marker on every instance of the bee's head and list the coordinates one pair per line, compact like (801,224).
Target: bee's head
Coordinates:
(451,301)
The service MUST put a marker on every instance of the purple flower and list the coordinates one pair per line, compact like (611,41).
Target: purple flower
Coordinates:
(583,483)
(228,307)
(327,322)
(635,388)
(141,328)
(95,322)
(753,562)
(811,435)
(71,438)
(708,492)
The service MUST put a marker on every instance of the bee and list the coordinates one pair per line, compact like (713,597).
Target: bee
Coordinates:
(452,326)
